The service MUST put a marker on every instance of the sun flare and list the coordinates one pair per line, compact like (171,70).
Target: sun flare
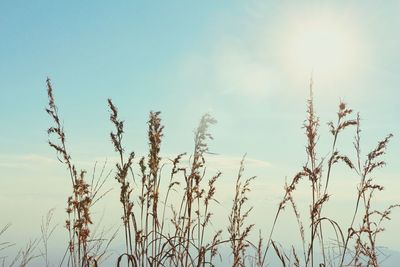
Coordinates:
(321,45)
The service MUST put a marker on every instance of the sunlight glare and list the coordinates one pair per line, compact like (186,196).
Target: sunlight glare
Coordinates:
(322,46)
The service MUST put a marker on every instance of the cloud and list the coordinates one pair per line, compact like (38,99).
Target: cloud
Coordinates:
(220,162)
(234,65)
(213,161)
(233,163)
(24,160)
(240,69)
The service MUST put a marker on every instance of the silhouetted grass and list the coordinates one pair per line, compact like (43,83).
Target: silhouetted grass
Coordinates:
(161,231)
(149,244)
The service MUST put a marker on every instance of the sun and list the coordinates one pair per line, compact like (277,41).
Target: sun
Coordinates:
(324,46)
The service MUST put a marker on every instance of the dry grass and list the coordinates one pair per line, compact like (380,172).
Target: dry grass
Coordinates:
(160,231)
(238,232)
(364,252)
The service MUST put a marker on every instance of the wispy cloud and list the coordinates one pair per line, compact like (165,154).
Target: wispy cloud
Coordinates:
(240,68)
(233,162)
(24,160)
(233,66)
(215,162)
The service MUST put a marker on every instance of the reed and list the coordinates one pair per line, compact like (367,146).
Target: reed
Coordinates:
(167,205)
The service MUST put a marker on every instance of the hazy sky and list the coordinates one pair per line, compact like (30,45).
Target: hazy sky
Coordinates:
(239,60)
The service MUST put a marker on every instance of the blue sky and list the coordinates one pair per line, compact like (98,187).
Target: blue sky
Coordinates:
(185,59)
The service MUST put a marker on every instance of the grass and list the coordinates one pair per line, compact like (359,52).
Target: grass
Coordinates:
(161,231)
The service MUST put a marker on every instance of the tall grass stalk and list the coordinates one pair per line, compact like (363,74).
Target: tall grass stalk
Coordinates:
(160,231)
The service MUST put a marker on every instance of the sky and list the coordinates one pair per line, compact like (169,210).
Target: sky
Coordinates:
(248,64)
